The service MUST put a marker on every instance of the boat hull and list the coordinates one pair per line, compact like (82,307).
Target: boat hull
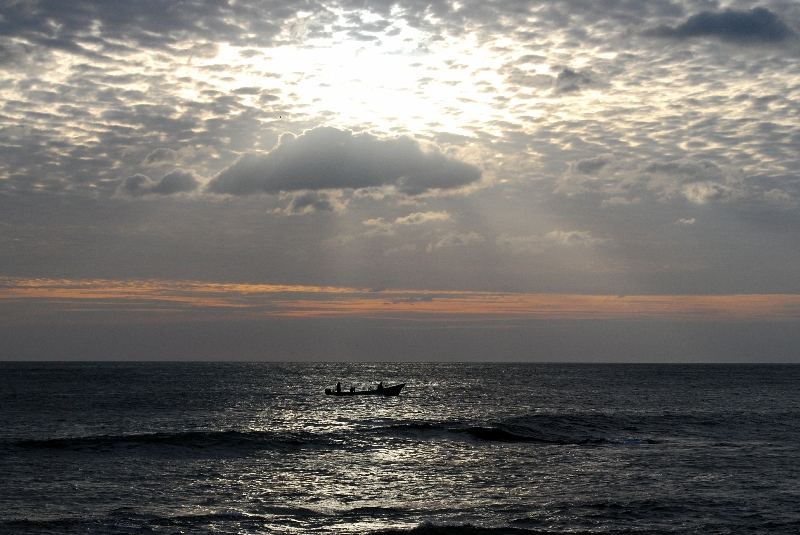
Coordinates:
(386,391)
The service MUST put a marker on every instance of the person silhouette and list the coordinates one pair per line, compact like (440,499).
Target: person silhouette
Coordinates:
(338,387)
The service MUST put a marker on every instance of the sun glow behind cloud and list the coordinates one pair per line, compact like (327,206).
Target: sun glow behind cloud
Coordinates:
(396,81)
(193,300)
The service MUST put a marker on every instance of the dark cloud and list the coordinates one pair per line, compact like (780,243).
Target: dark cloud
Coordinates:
(531,59)
(697,181)
(12,54)
(310,202)
(160,156)
(687,171)
(592,165)
(570,81)
(177,181)
(152,118)
(758,25)
(247,91)
(328,158)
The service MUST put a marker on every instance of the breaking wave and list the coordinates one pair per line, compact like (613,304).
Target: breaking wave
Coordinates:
(535,429)
(543,430)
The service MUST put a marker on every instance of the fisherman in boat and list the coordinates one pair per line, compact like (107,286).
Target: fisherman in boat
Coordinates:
(338,387)
(380,385)
(352,389)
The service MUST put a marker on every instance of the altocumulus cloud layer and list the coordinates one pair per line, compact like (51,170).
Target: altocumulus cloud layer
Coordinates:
(555,146)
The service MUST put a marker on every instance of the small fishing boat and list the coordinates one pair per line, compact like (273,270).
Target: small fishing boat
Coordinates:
(385,391)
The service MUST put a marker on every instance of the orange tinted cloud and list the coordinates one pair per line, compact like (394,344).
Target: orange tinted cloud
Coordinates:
(196,300)
(562,306)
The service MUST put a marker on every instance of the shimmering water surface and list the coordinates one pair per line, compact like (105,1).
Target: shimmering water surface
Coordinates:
(467,448)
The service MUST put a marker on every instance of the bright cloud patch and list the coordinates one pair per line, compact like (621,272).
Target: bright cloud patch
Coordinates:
(537,244)
(329,158)
(572,237)
(379,226)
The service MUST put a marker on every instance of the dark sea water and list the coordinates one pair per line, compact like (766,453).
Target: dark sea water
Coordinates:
(467,448)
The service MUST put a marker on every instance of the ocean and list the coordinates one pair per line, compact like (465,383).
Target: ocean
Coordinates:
(252,448)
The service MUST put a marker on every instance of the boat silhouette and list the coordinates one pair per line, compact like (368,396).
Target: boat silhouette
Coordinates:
(385,391)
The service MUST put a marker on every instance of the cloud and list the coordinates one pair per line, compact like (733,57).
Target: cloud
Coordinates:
(698,181)
(570,81)
(313,201)
(703,192)
(153,24)
(454,240)
(759,25)
(572,238)
(520,77)
(419,218)
(329,158)
(597,173)
(625,182)
(591,166)
(12,54)
(691,221)
(620,201)
(535,244)
(388,228)
(189,298)
(160,156)
(780,197)
(177,181)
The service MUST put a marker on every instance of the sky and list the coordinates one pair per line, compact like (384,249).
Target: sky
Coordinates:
(602,180)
